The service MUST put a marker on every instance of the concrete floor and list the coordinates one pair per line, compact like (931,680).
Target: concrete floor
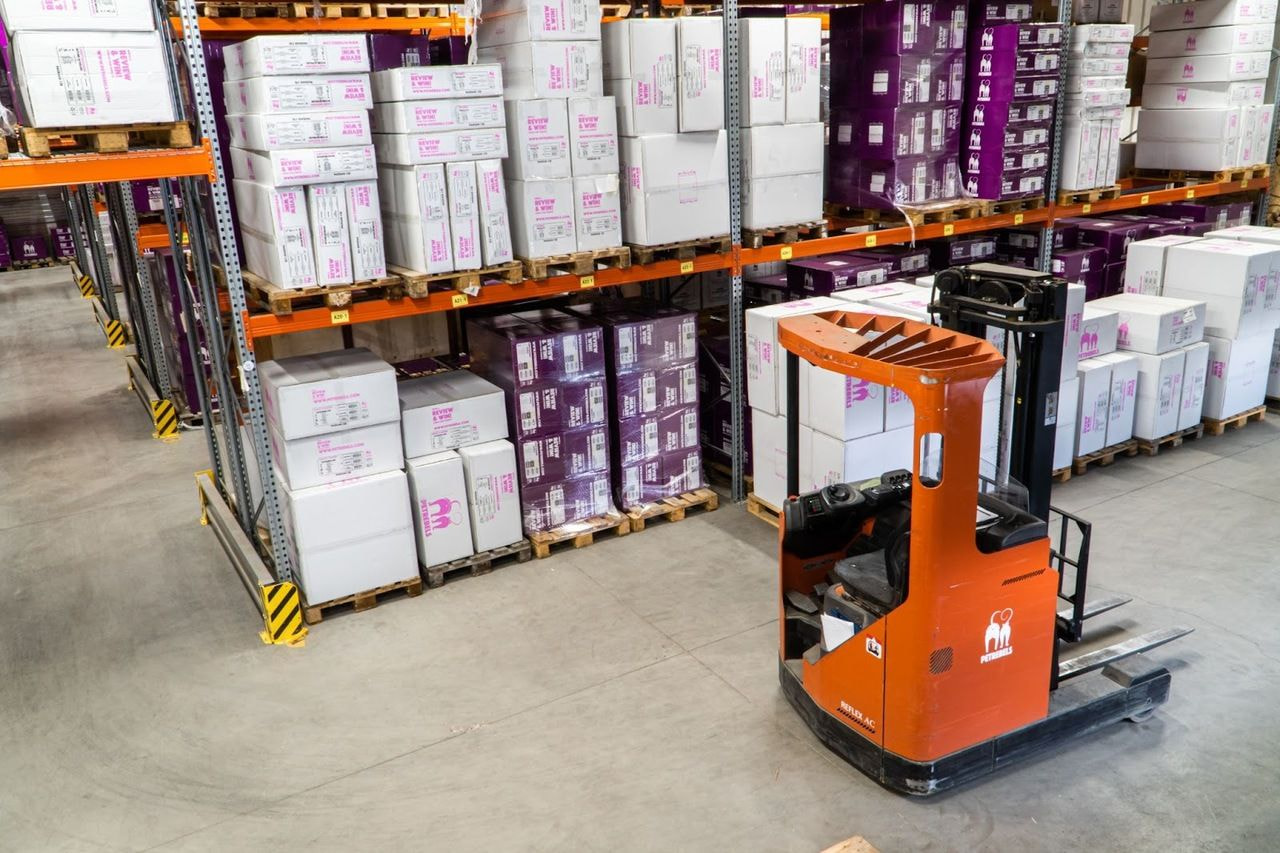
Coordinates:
(621,697)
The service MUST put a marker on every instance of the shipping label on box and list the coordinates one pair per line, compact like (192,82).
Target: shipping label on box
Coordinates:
(436,116)
(303,166)
(300,54)
(539,139)
(559,456)
(493,497)
(445,411)
(495,223)
(593,136)
(409,149)
(329,458)
(700,57)
(330,238)
(268,132)
(542,217)
(299,94)
(438,491)
(597,206)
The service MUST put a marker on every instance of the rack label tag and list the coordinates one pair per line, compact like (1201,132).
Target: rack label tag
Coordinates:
(586,281)
(457,300)
(1191,193)
(785,253)
(1017,218)
(871,241)
(686,267)
(1146,199)
(1244,184)
(1085,208)
(948,230)
(337,318)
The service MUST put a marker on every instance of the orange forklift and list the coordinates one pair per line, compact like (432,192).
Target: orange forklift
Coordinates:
(920,613)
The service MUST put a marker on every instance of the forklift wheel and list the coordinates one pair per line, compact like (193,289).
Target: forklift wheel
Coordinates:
(1141,716)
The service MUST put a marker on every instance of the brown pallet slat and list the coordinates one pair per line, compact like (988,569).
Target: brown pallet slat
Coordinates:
(321,9)
(1152,446)
(1088,196)
(673,508)
(755,238)
(45,142)
(30,265)
(1105,456)
(579,533)
(932,212)
(762,509)
(1221,176)
(282,301)
(577,263)
(1062,475)
(4,148)
(477,564)
(1018,205)
(418,284)
(684,250)
(367,600)
(1215,426)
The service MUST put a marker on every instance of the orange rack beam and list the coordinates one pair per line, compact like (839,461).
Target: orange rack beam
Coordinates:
(25,173)
(153,235)
(246,27)
(1155,195)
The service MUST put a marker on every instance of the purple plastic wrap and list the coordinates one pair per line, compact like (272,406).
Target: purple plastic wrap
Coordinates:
(987,13)
(888,133)
(536,348)
(646,436)
(547,506)
(902,260)
(644,392)
(1024,87)
(1073,264)
(950,251)
(660,477)
(398,50)
(30,247)
(1216,213)
(887,81)
(563,455)
(829,273)
(883,184)
(561,406)
(1016,112)
(1010,160)
(1003,61)
(640,336)
(996,184)
(1114,235)
(996,138)
(1019,35)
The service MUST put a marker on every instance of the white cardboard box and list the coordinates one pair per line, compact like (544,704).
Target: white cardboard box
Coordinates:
(1247,233)
(1154,324)
(1188,139)
(329,458)
(330,237)
(492,495)
(1093,408)
(765,359)
(1099,329)
(593,136)
(597,208)
(700,56)
(495,222)
(1273,379)
(1233,279)
(1194,374)
(439,115)
(539,132)
(302,166)
(320,93)
(413,149)
(1064,443)
(769,457)
(464,214)
(1124,394)
(1231,39)
(315,394)
(838,405)
(675,187)
(1199,96)
(1073,327)
(559,69)
(269,132)
(804,69)
(548,20)
(640,63)
(770,151)
(1237,375)
(874,292)
(763,51)
(1212,13)
(351,536)
(1211,68)
(542,218)
(364,225)
(835,461)
(437,81)
(438,496)
(285,264)
(782,200)
(118,16)
(445,411)
(77,79)
(415,205)
(318,53)
(275,233)
(1159,394)
(1144,263)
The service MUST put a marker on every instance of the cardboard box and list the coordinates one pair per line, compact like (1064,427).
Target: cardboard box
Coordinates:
(542,217)
(700,73)
(1232,277)
(642,336)
(654,389)
(1188,139)
(550,505)
(415,204)
(536,348)
(1211,13)
(351,536)
(438,81)
(557,20)
(398,50)
(1247,233)
(1240,38)
(299,94)
(564,455)
(1144,264)
(285,264)
(597,209)
(1273,379)
(663,431)
(1199,96)
(560,69)
(539,139)
(438,496)
(763,50)
(276,233)
(827,274)
(1099,329)
(804,69)
(765,359)
(438,116)
(269,132)
(769,457)
(302,166)
(464,214)
(676,187)
(1154,324)
(1073,328)
(318,53)
(492,495)
(311,395)
(495,221)
(666,475)
(1237,375)
(593,136)
(79,79)
(782,200)
(640,63)
(320,459)
(840,406)
(774,150)
(364,226)
(1123,402)
(120,16)
(1159,394)
(1213,68)
(567,405)
(330,237)
(835,461)
(1093,407)
(1194,373)
(412,149)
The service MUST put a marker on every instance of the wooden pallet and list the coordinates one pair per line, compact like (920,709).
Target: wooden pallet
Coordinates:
(763,509)
(282,301)
(1104,457)
(1221,176)
(1062,475)
(684,250)
(4,147)
(577,263)
(952,210)
(1017,205)
(754,238)
(579,533)
(322,9)
(314,613)
(42,142)
(673,508)
(419,284)
(31,265)
(1218,427)
(722,473)
(1152,446)
(477,564)
(1089,196)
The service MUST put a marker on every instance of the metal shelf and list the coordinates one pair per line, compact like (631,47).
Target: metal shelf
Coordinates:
(1140,198)
(60,170)
(246,27)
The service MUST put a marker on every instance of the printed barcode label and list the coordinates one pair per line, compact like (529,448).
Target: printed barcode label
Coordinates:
(555,505)
(688,338)
(600,495)
(531,451)
(650,438)
(690,429)
(572,360)
(626,345)
(648,393)
(524,362)
(528,412)
(631,485)
(598,462)
(595,404)
(689,385)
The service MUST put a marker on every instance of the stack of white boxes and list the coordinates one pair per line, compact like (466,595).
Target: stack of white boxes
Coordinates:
(562,178)
(87,65)
(441,136)
(1096,98)
(1064,443)
(1207,66)
(783,138)
(297,112)
(667,77)
(334,423)
(461,468)
(1270,236)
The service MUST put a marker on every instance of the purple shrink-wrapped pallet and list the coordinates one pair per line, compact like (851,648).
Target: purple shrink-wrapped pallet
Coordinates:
(648,390)
(30,247)
(533,349)
(564,455)
(829,273)
(552,409)
(1114,235)
(887,184)
(902,260)
(62,241)
(1216,213)
(398,50)
(885,133)
(952,251)
(547,506)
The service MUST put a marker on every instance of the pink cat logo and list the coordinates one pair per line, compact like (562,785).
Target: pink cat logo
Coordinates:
(984,90)
(1181,95)
(1088,342)
(1122,333)
(1217,368)
(1189,16)
(979,113)
(988,39)
(1188,71)
(439,514)
(859,390)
